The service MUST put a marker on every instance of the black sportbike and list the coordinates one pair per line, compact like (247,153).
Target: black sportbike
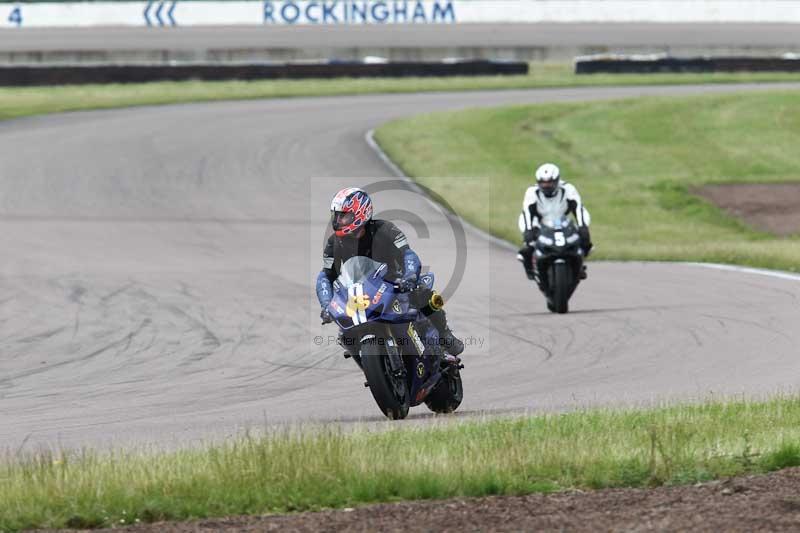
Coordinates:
(559,262)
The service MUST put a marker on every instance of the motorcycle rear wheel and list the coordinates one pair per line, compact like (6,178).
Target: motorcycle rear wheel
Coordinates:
(446,396)
(390,391)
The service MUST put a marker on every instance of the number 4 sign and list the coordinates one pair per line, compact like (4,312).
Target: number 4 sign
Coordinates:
(15,17)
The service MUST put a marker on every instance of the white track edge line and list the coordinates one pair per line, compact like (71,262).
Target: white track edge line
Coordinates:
(749,270)
(397,171)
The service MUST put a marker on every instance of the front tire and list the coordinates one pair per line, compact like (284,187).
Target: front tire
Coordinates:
(390,391)
(560,284)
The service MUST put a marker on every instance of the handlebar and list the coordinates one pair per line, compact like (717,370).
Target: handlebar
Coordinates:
(405,289)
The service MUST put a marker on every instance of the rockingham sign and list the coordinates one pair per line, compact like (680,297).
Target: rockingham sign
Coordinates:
(359,12)
(157,13)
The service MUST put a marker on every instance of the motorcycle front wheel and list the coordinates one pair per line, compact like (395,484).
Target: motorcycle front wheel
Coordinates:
(560,283)
(389,390)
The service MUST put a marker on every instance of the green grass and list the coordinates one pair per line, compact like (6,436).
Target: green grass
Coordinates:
(634,162)
(312,469)
(18,102)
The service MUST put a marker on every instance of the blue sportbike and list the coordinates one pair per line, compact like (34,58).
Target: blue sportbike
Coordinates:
(393,342)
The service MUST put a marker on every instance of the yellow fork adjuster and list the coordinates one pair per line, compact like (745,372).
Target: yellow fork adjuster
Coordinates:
(436,302)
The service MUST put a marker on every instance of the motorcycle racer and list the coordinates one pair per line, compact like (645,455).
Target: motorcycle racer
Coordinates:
(550,199)
(356,233)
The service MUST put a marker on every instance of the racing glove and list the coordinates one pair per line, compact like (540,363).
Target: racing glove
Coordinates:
(406,285)
(325,315)
(530,236)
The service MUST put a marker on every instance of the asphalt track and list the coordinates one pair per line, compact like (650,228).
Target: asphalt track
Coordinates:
(728,35)
(158,265)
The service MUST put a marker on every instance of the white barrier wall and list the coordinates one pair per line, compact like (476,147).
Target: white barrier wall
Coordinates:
(195,13)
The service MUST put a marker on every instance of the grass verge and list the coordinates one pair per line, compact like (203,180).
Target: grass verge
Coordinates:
(18,102)
(303,470)
(634,161)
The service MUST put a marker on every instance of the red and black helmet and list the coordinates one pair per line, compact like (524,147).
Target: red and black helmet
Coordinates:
(351,209)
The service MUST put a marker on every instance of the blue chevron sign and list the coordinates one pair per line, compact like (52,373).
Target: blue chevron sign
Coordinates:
(159,9)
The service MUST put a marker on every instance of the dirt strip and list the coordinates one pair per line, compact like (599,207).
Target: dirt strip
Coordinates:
(746,504)
(770,207)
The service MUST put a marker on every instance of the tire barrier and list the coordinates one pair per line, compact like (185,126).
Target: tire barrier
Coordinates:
(31,75)
(665,64)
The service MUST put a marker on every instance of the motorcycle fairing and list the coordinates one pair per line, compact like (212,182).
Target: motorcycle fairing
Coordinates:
(422,366)
(370,298)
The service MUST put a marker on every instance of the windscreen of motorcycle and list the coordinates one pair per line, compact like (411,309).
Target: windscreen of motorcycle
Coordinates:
(358,277)
(559,222)
(359,269)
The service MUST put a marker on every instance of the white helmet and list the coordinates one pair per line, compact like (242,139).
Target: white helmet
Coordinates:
(548,177)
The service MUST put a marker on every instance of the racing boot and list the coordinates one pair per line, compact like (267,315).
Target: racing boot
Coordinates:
(525,256)
(586,243)
(451,344)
